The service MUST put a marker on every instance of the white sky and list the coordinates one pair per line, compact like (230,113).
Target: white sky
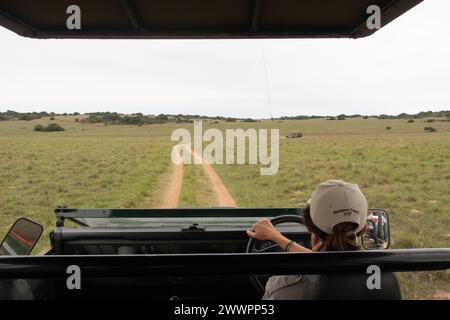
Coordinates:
(404,67)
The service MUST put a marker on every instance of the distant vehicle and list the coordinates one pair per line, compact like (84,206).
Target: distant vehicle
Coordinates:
(293,135)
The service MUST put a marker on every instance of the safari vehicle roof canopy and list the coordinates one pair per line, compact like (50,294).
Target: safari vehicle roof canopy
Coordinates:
(220,19)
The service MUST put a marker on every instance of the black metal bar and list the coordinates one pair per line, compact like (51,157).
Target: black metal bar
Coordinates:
(175,213)
(94,266)
(131,14)
(19,21)
(179,30)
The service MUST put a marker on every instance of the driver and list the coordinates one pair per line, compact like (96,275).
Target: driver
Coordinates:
(335,216)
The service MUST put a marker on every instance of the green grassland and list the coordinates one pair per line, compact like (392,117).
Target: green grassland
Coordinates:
(84,166)
(404,170)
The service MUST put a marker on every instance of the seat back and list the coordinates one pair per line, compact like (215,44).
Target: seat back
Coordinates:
(15,290)
(353,287)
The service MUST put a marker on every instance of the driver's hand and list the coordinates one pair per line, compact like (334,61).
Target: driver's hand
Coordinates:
(263,230)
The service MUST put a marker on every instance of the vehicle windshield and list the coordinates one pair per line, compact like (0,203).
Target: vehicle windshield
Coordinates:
(184,218)
(177,223)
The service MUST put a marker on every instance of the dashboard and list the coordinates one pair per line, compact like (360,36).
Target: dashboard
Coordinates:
(163,240)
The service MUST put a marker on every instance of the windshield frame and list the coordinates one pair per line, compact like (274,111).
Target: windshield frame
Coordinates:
(78,216)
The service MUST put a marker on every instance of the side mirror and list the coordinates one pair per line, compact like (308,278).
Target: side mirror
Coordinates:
(21,238)
(377,235)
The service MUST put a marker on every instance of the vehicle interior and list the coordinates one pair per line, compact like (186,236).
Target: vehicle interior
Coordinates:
(195,253)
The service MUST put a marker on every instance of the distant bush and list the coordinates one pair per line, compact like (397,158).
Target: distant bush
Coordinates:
(183,120)
(366,117)
(27,117)
(52,118)
(410,121)
(230,120)
(93,119)
(54,127)
(431,120)
(388,128)
(50,128)
(249,120)
(430,129)
(77,120)
(162,117)
(341,117)
(331,118)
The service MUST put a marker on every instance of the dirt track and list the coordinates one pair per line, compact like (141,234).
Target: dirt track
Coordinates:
(171,195)
(223,196)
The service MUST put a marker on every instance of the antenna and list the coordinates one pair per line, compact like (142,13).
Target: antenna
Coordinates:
(267,82)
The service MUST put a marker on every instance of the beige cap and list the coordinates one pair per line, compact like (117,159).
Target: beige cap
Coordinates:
(336,201)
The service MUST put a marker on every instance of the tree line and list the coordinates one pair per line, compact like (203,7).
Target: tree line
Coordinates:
(141,119)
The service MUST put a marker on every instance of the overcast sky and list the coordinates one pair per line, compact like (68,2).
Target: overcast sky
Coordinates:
(404,67)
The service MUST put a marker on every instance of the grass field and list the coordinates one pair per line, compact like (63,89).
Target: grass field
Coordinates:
(85,166)
(403,170)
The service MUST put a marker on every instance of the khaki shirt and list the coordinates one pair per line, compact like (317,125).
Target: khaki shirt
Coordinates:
(298,287)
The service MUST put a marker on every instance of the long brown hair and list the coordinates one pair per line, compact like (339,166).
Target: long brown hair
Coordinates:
(343,237)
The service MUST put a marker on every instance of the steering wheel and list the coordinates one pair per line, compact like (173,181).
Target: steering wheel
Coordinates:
(262,246)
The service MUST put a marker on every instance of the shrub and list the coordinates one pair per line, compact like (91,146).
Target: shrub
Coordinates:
(52,118)
(93,119)
(430,120)
(366,117)
(27,117)
(410,121)
(162,117)
(430,129)
(54,127)
(50,128)
(341,117)
(388,128)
